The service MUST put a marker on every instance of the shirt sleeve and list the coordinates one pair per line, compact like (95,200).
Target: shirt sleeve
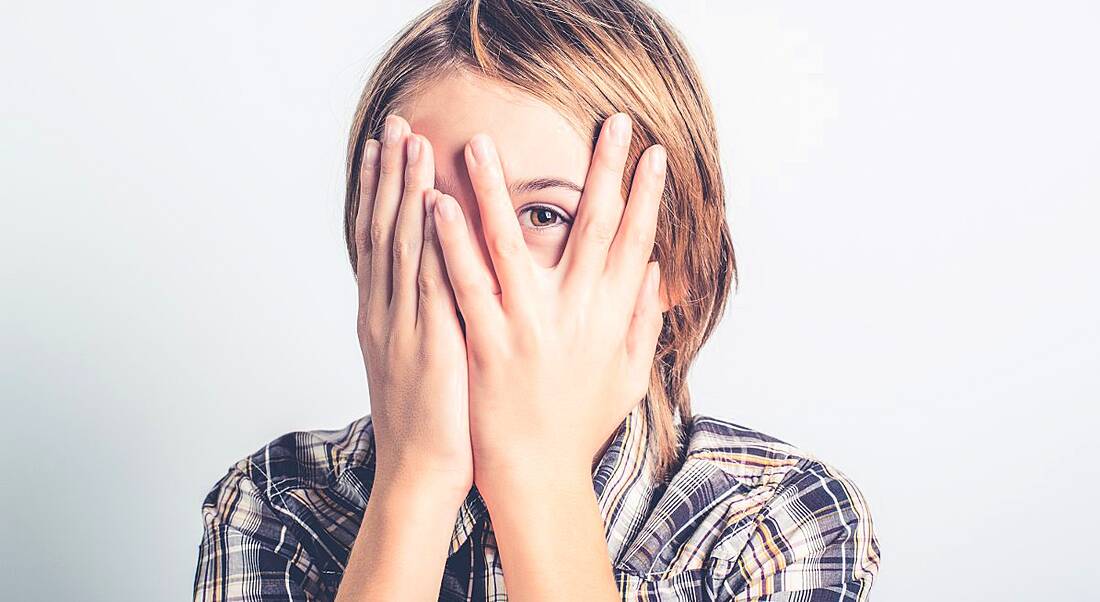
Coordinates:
(248,553)
(814,541)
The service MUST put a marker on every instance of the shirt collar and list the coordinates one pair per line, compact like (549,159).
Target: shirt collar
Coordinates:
(621,481)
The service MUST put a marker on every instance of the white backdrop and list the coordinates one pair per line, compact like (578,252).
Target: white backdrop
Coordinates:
(914,192)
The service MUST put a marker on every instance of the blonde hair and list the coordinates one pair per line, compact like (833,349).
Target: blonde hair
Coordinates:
(590,59)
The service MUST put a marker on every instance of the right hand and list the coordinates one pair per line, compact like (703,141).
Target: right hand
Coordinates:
(412,342)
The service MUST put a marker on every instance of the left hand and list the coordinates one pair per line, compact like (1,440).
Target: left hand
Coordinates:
(557,356)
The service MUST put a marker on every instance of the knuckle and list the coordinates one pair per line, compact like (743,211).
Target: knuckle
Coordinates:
(378,232)
(462,284)
(529,340)
(605,166)
(465,283)
(479,358)
(369,173)
(375,334)
(505,246)
(427,286)
(597,231)
(403,249)
(389,166)
(484,356)
(393,339)
(638,239)
(573,329)
(608,163)
(363,241)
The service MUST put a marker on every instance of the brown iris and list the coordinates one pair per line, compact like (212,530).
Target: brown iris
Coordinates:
(542,217)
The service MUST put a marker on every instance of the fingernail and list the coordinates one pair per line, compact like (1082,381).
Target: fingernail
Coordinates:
(620,129)
(370,154)
(446,208)
(392,131)
(412,148)
(483,153)
(657,159)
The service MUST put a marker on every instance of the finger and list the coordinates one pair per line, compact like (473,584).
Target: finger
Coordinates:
(645,329)
(368,180)
(600,207)
(507,249)
(408,236)
(435,297)
(387,200)
(470,278)
(633,244)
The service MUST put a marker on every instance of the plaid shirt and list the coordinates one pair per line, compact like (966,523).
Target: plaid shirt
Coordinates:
(745,517)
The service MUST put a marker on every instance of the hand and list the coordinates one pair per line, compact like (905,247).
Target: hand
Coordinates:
(412,342)
(562,355)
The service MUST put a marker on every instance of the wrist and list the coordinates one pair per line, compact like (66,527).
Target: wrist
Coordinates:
(441,481)
(416,493)
(406,526)
(531,479)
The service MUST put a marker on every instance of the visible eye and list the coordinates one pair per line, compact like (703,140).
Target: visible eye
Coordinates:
(541,217)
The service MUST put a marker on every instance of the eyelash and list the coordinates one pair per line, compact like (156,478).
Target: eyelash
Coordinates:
(561,215)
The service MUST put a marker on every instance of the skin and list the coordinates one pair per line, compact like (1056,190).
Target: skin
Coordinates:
(447,225)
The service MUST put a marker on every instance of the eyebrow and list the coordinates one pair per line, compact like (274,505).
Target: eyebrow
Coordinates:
(520,187)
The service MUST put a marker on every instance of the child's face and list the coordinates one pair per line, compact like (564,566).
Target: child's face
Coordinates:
(545,160)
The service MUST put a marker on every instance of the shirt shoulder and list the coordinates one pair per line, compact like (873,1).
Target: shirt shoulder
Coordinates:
(307,462)
(789,521)
(309,459)
(282,513)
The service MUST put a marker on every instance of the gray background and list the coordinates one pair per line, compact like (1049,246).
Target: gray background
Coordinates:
(914,192)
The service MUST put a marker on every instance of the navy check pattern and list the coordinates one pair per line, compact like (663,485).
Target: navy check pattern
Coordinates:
(746,517)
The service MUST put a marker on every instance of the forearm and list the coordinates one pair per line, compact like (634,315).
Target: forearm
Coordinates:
(401,547)
(551,540)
